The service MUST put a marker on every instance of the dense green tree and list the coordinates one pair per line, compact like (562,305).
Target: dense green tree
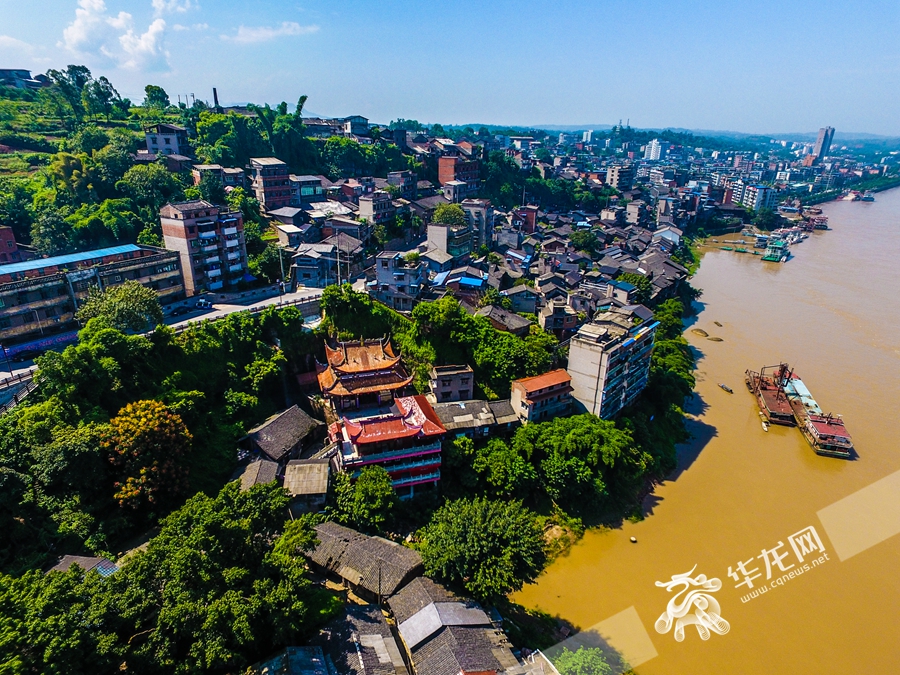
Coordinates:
(151,186)
(585,661)
(768,219)
(271,264)
(70,84)
(212,190)
(16,209)
(51,234)
(585,240)
(99,97)
(489,548)
(449,214)
(366,504)
(642,283)
(156,97)
(584,460)
(505,471)
(130,306)
(217,589)
(87,139)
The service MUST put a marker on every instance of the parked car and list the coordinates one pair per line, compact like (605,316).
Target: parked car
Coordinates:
(26,355)
(178,311)
(203,303)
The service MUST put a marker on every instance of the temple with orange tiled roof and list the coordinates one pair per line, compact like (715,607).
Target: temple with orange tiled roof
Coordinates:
(406,442)
(360,373)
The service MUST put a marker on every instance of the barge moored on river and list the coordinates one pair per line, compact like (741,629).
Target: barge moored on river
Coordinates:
(768,387)
(826,433)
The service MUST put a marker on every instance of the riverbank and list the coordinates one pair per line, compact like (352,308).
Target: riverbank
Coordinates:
(874,185)
(738,490)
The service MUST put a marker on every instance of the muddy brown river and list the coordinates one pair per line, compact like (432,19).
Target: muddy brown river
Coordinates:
(743,500)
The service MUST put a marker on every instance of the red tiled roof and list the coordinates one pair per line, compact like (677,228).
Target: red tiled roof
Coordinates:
(415,417)
(538,382)
(351,357)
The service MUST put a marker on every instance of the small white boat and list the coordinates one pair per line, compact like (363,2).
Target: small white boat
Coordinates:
(765,425)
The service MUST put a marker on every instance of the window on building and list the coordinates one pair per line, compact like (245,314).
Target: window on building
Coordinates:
(5,322)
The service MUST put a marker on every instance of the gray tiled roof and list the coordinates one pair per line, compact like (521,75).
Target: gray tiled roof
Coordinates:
(257,473)
(360,643)
(280,433)
(503,412)
(456,415)
(416,595)
(373,563)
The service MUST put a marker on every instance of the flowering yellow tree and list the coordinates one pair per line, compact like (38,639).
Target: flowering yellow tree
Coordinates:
(147,444)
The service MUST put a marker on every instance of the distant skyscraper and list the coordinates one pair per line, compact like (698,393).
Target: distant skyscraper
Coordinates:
(653,150)
(587,136)
(823,142)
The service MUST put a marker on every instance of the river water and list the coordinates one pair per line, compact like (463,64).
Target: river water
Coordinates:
(833,313)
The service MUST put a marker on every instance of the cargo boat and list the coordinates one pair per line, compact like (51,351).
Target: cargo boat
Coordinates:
(826,433)
(768,387)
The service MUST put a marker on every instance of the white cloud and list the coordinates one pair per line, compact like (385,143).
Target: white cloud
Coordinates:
(88,28)
(115,39)
(7,42)
(145,49)
(195,27)
(171,6)
(250,35)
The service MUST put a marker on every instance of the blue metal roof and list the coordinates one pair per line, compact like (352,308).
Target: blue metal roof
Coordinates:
(68,259)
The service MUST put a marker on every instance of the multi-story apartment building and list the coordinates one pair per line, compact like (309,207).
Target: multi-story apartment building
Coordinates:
(540,398)
(354,188)
(454,167)
(40,296)
(376,208)
(167,139)
(480,214)
(347,226)
(210,241)
(333,260)
(454,240)
(271,182)
(609,360)
(405,182)
(406,442)
(756,197)
(398,280)
(558,317)
(228,177)
(620,177)
(451,383)
(306,190)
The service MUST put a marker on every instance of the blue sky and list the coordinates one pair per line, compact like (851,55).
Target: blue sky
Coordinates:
(759,67)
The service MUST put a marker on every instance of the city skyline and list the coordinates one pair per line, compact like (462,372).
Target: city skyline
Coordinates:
(463,65)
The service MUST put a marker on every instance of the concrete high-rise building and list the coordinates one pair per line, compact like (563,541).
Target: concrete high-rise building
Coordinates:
(823,142)
(756,197)
(587,136)
(653,150)
(609,359)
